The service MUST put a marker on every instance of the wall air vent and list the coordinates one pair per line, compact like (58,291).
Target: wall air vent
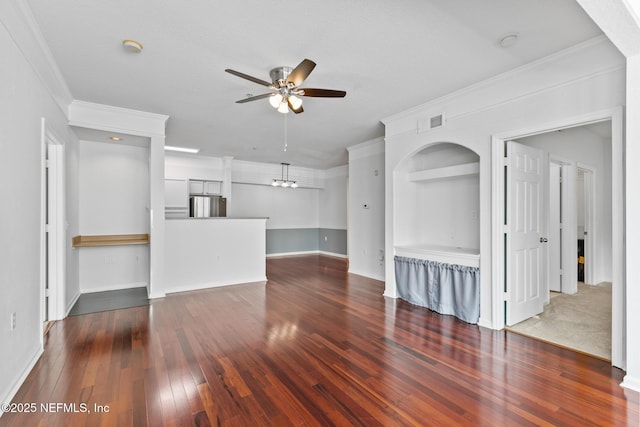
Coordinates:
(431,123)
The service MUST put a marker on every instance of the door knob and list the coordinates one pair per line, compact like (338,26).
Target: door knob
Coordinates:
(543,240)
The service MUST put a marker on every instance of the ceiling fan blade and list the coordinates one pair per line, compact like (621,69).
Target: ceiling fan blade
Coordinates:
(301,72)
(298,111)
(322,93)
(254,98)
(248,77)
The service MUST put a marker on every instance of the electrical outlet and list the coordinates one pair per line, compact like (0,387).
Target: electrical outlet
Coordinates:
(13,321)
(325,238)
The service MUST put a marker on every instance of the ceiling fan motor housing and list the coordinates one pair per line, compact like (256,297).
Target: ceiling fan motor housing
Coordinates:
(279,75)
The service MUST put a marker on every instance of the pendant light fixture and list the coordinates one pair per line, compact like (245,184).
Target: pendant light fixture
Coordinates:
(284,182)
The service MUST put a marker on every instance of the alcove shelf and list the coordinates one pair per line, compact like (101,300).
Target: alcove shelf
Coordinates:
(109,240)
(464,169)
(446,254)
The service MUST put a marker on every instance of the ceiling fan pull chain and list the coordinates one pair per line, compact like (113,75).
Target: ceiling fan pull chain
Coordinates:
(285,132)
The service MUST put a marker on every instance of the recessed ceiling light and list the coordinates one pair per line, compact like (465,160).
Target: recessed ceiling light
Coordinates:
(115,138)
(132,46)
(181,149)
(509,40)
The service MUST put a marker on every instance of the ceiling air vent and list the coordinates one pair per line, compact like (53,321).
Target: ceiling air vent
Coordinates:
(431,123)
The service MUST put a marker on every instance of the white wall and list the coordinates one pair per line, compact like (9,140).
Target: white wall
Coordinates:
(585,79)
(285,207)
(113,199)
(178,166)
(333,199)
(213,252)
(366,224)
(585,147)
(28,95)
(442,212)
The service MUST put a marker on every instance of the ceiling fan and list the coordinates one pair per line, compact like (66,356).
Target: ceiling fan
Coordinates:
(285,87)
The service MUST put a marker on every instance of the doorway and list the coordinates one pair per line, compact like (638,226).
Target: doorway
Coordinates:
(53,229)
(612,211)
(575,315)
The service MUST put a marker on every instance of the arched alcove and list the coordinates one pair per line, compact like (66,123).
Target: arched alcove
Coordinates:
(437,199)
(436,228)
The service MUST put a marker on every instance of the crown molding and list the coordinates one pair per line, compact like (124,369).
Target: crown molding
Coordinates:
(17,18)
(366,149)
(492,81)
(117,119)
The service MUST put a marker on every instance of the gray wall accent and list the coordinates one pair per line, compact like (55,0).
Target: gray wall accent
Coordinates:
(336,240)
(285,240)
(305,240)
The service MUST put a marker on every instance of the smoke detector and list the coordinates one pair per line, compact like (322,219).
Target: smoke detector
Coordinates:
(132,46)
(509,40)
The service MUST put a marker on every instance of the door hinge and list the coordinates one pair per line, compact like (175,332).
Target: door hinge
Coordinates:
(505,296)
(46,292)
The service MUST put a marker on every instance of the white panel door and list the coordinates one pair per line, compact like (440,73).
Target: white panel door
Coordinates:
(526,232)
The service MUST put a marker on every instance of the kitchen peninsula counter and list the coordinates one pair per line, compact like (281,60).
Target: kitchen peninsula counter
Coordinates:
(216,251)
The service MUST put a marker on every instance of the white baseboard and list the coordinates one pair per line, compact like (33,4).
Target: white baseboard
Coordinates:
(389,295)
(71,304)
(285,254)
(333,254)
(366,274)
(485,323)
(9,394)
(113,287)
(200,286)
(282,254)
(631,383)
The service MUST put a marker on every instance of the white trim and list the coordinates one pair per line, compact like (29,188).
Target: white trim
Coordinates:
(485,323)
(366,149)
(631,383)
(208,285)
(513,73)
(114,287)
(569,231)
(286,254)
(333,254)
(71,304)
(21,379)
(371,276)
(546,89)
(115,119)
(615,115)
(591,220)
(17,17)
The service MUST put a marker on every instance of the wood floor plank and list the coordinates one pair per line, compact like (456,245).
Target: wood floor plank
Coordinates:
(314,346)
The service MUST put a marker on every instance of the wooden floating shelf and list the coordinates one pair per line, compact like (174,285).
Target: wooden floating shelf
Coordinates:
(446,172)
(110,240)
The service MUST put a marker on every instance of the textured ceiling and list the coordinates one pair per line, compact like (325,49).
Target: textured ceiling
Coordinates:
(388,55)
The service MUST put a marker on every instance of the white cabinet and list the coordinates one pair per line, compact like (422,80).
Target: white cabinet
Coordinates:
(176,198)
(212,187)
(207,188)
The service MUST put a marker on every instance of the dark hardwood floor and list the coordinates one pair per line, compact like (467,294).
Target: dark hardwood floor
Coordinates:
(315,346)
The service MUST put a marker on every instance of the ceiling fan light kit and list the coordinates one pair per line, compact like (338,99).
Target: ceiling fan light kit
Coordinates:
(285,87)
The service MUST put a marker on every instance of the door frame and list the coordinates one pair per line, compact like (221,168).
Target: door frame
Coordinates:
(53,149)
(590,220)
(615,116)
(555,227)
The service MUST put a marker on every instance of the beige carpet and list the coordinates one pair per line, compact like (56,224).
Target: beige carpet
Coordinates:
(581,321)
